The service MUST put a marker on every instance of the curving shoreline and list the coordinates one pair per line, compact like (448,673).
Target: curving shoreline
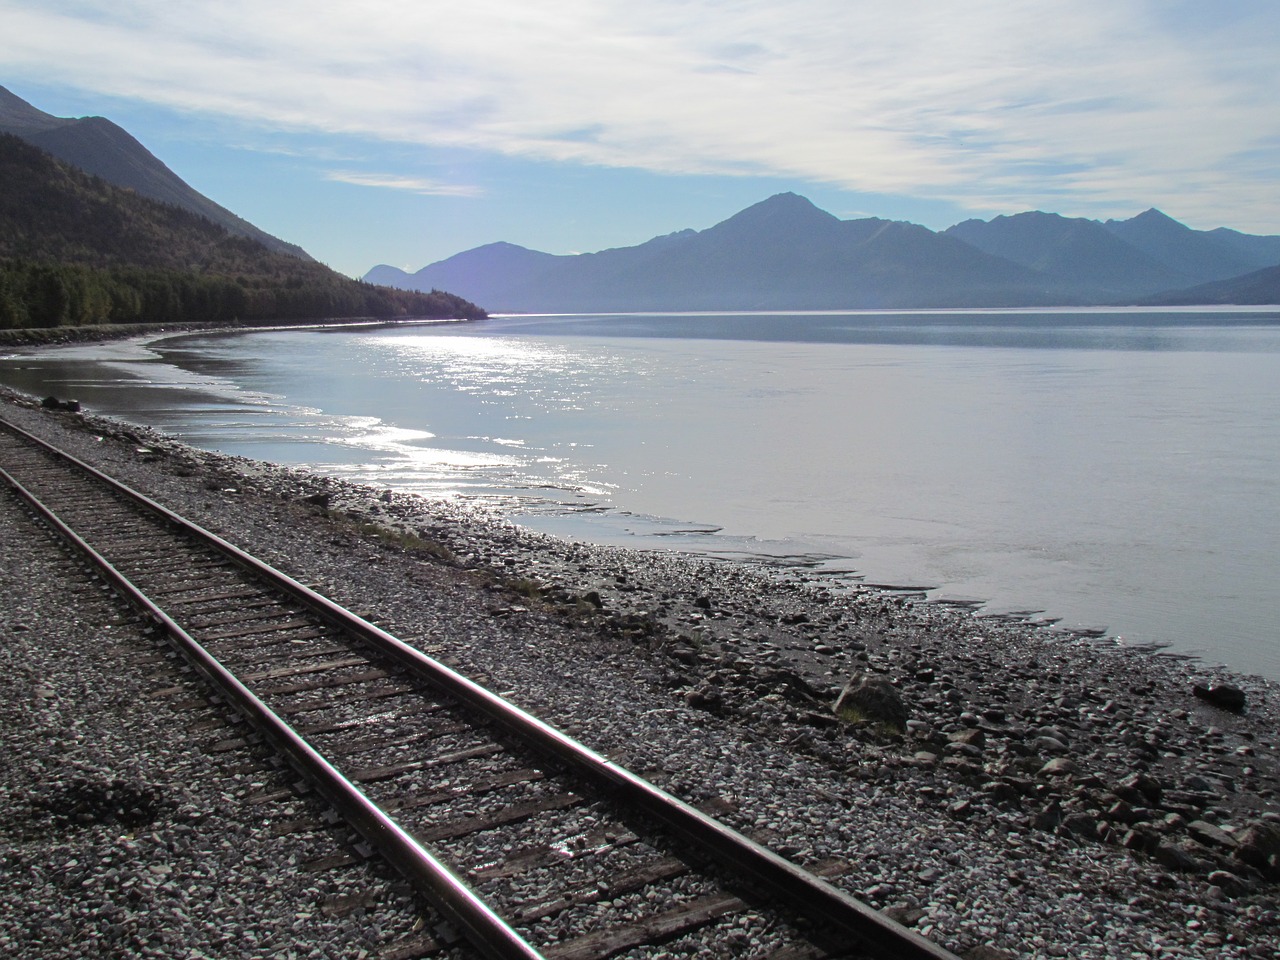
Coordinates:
(1045,796)
(61,336)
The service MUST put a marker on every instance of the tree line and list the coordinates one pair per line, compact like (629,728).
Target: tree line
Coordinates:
(62,294)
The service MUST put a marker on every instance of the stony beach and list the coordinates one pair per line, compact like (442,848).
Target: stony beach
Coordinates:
(1006,789)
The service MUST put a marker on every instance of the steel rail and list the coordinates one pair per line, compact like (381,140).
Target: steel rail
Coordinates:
(483,928)
(811,896)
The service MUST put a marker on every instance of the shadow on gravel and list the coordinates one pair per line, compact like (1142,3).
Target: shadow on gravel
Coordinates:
(84,801)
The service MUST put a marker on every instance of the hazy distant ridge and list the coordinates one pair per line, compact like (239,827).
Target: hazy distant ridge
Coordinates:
(785,253)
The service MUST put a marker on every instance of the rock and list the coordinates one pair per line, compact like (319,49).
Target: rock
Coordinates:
(1221,695)
(1210,835)
(960,749)
(53,403)
(1227,881)
(868,698)
(904,914)
(1002,791)
(1140,838)
(684,654)
(1176,857)
(1048,818)
(1059,766)
(964,768)
(973,737)
(1188,804)
(1056,733)
(1198,784)
(789,683)
(1050,745)
(1121,812)
(1140,788)
(988,952)
(705,697)
(1080,824)
(1258,845)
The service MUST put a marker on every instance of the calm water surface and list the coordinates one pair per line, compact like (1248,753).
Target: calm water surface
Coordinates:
(1116,470)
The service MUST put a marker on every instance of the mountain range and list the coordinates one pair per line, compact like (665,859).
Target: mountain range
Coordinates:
(104,149)
(784,253)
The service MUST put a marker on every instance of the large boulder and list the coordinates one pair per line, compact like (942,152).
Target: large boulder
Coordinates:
(53,403)
(1221,695)
(1258,845)
(871,698)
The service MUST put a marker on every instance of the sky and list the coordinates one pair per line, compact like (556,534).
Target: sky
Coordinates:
(405,131)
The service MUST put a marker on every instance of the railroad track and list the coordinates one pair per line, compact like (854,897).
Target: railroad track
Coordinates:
(528,842)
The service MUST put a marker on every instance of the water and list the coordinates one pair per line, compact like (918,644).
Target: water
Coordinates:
(1112,469)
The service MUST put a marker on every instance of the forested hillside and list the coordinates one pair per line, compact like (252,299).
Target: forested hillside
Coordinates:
(75,250)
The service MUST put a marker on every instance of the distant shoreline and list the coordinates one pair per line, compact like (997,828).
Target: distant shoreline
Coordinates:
(56,336)
(59,336)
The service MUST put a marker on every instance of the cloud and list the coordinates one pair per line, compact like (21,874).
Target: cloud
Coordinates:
(991,103)
(389,181)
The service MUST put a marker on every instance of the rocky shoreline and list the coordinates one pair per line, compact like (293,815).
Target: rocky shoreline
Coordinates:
(1005,789)
(64,336)
(61,336)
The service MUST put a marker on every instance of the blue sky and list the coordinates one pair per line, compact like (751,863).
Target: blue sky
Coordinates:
(404,131)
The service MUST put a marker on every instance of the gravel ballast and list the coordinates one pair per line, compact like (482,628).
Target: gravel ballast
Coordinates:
(1001,787)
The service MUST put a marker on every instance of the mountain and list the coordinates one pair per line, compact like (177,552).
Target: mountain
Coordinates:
(1197,255)
(1256,288)
(100,147)
(786,254)
(1081,254)
(77,250)
(496,266)
(1261,250)
(782,253)
(1120,260)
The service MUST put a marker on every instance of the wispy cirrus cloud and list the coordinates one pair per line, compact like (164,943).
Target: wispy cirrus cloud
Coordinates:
(989,104)
(390,181)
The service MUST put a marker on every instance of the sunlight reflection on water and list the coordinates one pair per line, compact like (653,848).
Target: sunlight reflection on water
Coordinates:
(1113,475)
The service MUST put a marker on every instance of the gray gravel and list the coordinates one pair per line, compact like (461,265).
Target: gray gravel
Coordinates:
(119,835)
(1048,795)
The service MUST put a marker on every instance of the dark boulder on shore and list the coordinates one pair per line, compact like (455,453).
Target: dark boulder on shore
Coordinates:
(873,699)
(1222,695)
(53,403)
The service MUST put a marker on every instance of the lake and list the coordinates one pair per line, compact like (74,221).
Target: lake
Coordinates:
(1111,469)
